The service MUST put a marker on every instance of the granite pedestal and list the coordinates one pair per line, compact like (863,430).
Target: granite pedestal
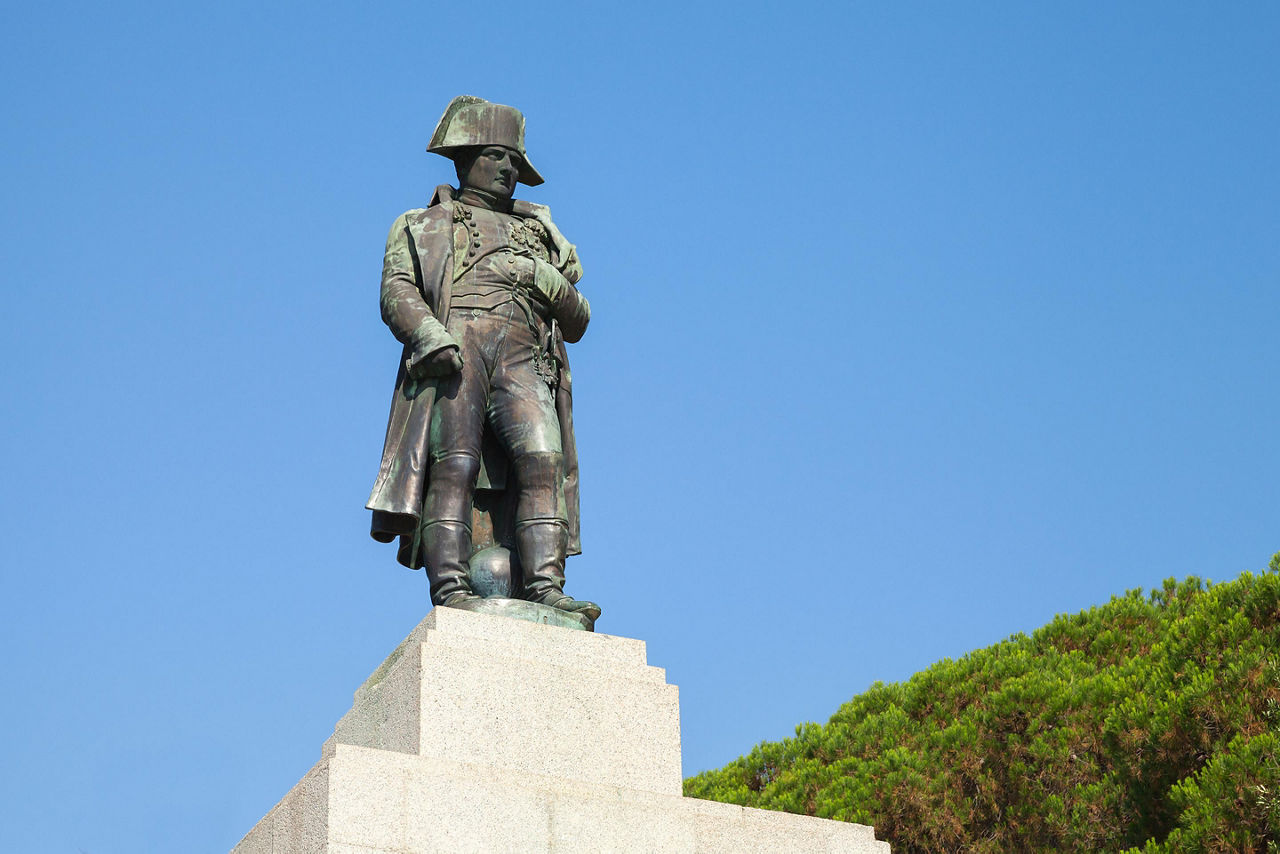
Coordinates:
(482,733)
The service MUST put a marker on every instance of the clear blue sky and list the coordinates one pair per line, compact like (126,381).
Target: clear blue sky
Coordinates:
(914,325)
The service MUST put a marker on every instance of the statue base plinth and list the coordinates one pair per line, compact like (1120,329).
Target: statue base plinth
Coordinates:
(486,734)
(530,612)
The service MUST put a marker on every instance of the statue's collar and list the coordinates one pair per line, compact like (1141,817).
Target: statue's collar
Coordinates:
(480,199)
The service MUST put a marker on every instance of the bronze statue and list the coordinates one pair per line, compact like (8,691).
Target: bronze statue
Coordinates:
(479,475)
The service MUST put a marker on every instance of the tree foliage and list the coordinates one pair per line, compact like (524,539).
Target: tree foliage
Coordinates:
(1149,724)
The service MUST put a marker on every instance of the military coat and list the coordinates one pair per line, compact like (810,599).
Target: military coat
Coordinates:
(424,256)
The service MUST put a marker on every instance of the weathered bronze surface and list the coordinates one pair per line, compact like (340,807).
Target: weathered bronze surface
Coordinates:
(530,612)
(479,474)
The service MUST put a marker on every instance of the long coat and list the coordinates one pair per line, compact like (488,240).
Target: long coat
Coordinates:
(418,271)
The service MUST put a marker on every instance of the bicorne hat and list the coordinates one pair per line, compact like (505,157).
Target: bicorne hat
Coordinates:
(470,121)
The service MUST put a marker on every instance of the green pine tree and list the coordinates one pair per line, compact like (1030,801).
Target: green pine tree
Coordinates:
(1149,724)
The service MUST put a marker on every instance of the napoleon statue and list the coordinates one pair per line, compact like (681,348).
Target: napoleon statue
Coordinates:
(479,474)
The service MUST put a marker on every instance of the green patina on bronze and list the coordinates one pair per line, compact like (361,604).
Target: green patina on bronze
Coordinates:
(530,612)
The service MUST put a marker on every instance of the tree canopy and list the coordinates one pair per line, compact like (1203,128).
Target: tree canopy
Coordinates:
(1148,724)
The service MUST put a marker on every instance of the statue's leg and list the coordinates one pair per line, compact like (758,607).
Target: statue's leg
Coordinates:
(523,414)
(542,531)
(457,419)
(446,527)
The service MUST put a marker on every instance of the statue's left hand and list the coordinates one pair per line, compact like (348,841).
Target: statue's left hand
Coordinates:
(549,281)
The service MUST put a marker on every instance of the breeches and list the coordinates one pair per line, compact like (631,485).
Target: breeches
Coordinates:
(499,388)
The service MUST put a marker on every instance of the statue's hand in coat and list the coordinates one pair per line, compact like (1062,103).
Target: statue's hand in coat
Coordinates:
(567,305)
(541,278)
(549,282)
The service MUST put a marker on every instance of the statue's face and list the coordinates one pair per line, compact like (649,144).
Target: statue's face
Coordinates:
(493,170)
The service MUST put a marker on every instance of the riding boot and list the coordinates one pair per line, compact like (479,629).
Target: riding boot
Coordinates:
(447,548)
(542,545)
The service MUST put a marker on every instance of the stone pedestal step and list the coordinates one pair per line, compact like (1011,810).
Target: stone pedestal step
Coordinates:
(364,801)
(520,696)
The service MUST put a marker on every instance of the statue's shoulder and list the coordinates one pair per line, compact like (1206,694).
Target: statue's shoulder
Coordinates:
(409,216)
(435,216)
(427,218)
(420,224)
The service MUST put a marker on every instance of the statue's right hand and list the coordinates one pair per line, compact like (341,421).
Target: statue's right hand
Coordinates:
(441,363)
